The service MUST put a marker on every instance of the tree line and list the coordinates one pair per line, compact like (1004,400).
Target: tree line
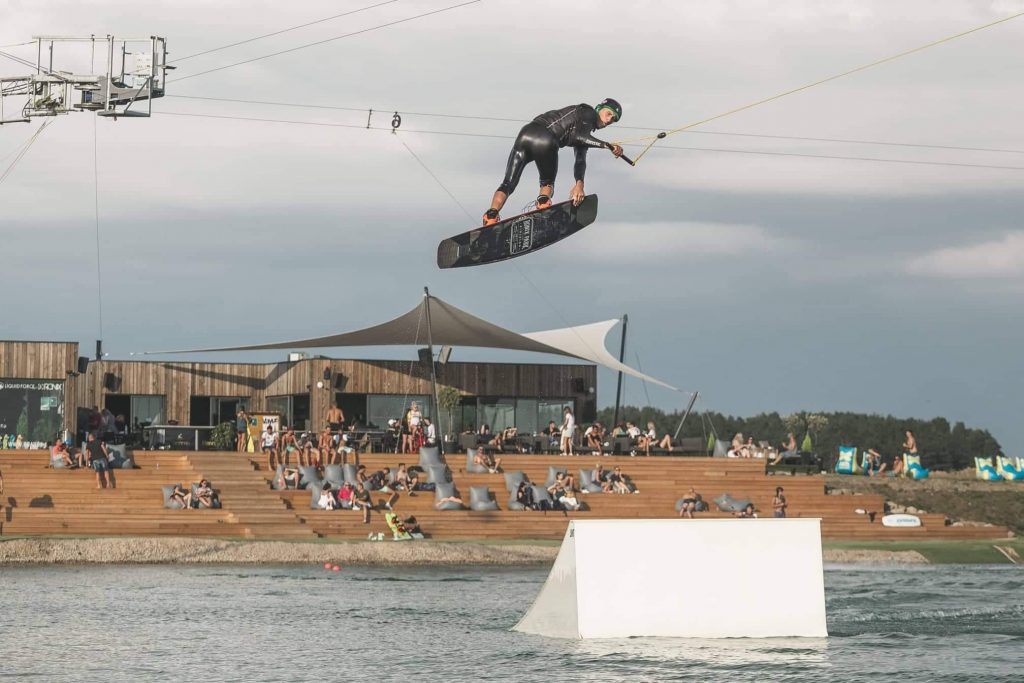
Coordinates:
(941,445)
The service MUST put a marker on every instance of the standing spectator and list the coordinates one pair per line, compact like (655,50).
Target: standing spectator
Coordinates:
(568,432)
(335,418)
(94,423)
(241,430)
(779,504)
(97,454)
(430,432)
(910,444)
(268,445)
(109,425)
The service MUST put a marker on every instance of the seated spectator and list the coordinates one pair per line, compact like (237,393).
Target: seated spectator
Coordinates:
(897,466)
(345,494)
(204,495)
(620,430)
(182,495)
(562,494)
(593,436)
(508,439)
(524,496)
(634,434)
(601,478)
(379,480)
(485,459)
(361,476)
(619,483)
(361,501)
(327,500)
(690,502)
(350,445)
(59,452)
(788,449)
(553,433)
(665,443)
(748,512)
(738,448)
(404,479)
(779,504)
(289,474)
(875,464)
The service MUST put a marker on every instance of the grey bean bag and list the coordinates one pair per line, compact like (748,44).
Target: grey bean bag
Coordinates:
(552,471)
(119,458)
(721,449)
(444,490)
(515,505)
(540,496)
(471,466)
(430,456)
(275,483)
(167,491)
(216,498)
(438,474)
(587,482)
(727,503)
(334,475)
(481,498)
(308,476)
(512,480)
(350,473)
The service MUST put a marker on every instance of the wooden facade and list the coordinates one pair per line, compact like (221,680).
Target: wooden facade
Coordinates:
(179,382)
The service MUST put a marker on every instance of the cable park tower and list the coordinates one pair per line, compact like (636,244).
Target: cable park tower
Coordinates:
(65,77)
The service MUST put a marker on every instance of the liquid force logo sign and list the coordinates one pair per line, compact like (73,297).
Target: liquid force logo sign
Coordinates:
(15,385)
(521,238)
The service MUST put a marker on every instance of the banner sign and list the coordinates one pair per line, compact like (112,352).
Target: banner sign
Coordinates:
(32,409)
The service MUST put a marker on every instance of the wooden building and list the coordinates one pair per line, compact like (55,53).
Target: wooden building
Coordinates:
(186,393)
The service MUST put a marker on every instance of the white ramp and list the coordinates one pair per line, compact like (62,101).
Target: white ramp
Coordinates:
(699,578)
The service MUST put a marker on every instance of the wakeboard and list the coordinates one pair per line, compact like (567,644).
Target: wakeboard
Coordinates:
(516,236)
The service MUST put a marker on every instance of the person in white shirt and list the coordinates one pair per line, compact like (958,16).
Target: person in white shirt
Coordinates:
(431,432)
(568,432)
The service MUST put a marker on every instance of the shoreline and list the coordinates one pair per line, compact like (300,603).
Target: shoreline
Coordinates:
(204,551)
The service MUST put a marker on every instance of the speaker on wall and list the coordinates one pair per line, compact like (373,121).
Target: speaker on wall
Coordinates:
(111,382)
(83,364)
(327,374)
(339,381)
(425,356)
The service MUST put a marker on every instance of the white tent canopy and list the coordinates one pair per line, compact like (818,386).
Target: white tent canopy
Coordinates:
(437,322)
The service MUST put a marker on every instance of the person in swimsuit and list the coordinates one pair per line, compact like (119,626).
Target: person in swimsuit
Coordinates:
(779,503)
(540,140)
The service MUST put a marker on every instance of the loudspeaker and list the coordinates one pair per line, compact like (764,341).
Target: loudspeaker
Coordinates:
(579,385)
(327,374)
(446,353)
(425,356)
(339,381)
(83,364)
(111,382)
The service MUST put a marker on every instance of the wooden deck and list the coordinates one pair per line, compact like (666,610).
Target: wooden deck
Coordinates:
(42,501)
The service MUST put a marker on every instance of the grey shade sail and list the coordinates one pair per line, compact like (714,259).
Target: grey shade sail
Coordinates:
(451,326)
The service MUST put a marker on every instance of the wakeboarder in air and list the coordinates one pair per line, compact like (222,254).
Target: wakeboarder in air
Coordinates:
(540,140)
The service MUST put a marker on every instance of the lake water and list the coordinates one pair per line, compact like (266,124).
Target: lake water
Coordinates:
(220,623)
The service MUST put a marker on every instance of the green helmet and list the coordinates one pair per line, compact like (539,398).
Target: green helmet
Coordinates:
(611,104)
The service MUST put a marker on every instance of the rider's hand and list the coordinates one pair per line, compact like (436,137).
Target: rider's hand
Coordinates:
(617,150)
(576,194)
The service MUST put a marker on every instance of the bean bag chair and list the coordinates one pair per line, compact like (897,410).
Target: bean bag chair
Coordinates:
(514,505)
(1007,468)
(215,498)
(275,483)
(847,461)
(438,474)
(721,449)
(167,491)
(334,475)
(57,462)
(984,470)
(727,503)
(542,498)
(350,473)
(445,490)
(308,477)
(512,480)
(471,466)
(481,498)
(912,467)
(430,456)
(588,482)
(119,457)
(552,471)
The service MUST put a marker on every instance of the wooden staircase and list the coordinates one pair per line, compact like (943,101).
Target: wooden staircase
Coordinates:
(42,501)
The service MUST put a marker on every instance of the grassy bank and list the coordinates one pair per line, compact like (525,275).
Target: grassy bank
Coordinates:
(943,552)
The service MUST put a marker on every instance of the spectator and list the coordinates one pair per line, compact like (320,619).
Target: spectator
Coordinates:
(361,477)
(779,504)
(109,425)
(94,423)
(747,512)
(594,438)
(406,479)
(619,483)
(788,449)
(664,444)
(379,480)
(690,502)
(633,432)
(568,432)
(308,455)
(875,463)
(1,482)
(738,448)
(345,495)
(289,474)
(897,466)
(182,495)
(268,445)
(288,445)
(241,430)
(361,501)
(98,460)
(59,453)
(485,459)
(910,444)
(335,419)
(349,445)
(448,499)
(562,493)
(325,441)
(553,433)
(620,430)
(524,495)
(601,478)
(204,495)
(327,500)
(120,428)
(430,432)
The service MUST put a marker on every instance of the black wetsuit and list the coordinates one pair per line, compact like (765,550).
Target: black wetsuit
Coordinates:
(541,139)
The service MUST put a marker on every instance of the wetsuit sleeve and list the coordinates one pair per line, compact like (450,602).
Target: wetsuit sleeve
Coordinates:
(586,124)
(580,168)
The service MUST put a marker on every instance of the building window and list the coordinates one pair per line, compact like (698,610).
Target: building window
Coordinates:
(553,410)
(498,413)
(382,407)
(148,410)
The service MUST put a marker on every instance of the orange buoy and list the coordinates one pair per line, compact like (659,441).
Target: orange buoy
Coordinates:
(336,568)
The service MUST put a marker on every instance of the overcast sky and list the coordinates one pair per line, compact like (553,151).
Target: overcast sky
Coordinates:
(767,282)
